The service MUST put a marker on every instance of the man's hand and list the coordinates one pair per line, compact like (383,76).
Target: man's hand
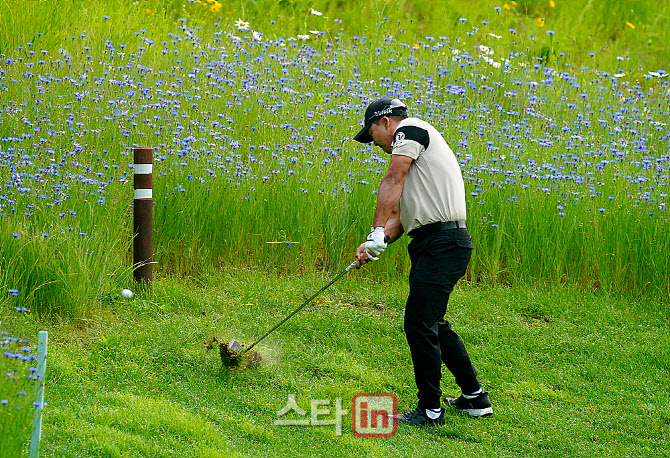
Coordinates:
(375,243)
(361,256)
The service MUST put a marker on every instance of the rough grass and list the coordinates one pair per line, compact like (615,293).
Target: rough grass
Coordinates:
(570,374)
(254,157)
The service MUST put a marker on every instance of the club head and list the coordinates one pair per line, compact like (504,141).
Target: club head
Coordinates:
(234,345)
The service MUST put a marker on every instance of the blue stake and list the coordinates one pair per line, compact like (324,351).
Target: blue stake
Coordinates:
(39,393)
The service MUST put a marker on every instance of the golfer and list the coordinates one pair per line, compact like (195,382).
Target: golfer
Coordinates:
(422,194)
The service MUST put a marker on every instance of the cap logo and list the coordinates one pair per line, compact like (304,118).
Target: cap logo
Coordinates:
(385,111)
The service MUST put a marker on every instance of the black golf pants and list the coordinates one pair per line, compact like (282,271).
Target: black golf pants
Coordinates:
(439,260)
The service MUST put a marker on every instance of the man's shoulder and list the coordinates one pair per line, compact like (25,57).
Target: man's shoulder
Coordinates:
(412,129)
(415,122)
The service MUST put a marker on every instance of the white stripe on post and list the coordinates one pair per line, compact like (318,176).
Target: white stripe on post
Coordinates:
(39,393)
(143,169)
(143,194)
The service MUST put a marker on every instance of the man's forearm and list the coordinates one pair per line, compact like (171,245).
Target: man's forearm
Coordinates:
(388,196)
(393,229)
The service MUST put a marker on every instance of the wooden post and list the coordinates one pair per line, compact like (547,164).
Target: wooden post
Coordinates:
(143,215)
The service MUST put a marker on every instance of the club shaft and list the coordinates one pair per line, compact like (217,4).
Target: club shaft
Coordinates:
(304,304)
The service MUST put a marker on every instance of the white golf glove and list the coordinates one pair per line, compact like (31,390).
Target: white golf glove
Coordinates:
(375,243)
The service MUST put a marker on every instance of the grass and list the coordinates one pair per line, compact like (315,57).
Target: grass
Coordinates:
(252,142)
(16,392)
(637,30)
(560,127)
(570,374)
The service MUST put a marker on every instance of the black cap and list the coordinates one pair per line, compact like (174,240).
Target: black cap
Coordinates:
(377,110)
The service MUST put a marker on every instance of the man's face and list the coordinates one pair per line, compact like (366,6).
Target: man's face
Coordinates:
(382,132)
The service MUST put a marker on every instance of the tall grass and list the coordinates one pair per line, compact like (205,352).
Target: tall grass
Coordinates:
(563,152)
(637,30)
(16,392)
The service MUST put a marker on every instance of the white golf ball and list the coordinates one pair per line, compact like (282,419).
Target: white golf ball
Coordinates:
(126,293)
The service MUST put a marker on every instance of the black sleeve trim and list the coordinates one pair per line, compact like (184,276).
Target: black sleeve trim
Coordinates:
(414,133)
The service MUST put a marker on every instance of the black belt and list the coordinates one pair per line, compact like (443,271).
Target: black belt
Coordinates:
(436,227)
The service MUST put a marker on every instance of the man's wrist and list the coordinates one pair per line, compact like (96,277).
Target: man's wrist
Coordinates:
(387,239)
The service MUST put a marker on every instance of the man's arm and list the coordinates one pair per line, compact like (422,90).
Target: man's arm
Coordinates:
(393,229)
(387,213)
(390,190)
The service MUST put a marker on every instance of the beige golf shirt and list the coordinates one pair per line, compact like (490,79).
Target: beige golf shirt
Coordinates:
(433,190)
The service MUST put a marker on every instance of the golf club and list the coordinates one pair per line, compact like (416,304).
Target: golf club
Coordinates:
(235,346)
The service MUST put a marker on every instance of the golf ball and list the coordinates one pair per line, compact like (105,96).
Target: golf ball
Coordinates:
(126,293)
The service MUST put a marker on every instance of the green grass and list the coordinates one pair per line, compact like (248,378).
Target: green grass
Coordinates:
(261,195)
(570,374)
(253,146)
(16,392)
(582,27)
